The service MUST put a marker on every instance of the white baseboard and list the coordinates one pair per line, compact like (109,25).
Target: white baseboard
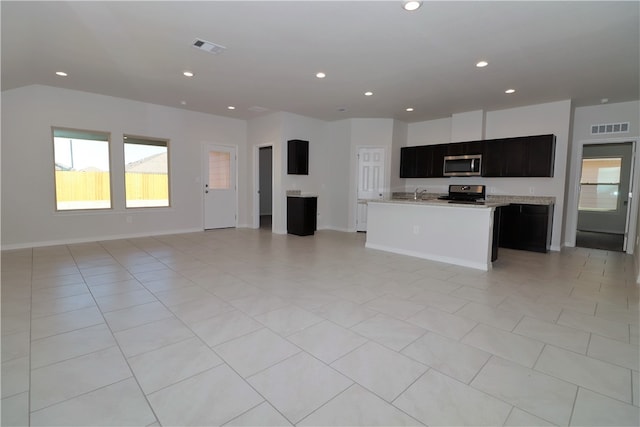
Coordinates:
(344,230)
(43,243)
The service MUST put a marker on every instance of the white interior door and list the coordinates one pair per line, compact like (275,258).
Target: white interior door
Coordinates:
(605,186)
(220,192)
(370,181)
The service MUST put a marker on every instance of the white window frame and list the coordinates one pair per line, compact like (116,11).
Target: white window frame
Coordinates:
(145,140)
(81,134)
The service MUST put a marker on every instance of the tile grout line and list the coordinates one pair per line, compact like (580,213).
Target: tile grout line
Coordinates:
(124,356)
(30,335)
(628,327)
(199,373)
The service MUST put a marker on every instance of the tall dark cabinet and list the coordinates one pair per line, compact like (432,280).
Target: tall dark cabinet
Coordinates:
(301,215)
(297,157)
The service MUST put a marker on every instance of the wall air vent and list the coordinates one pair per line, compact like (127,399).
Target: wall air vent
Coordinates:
(208,46)
(610,128)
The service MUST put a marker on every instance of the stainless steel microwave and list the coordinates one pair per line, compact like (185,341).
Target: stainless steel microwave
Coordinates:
(467,165)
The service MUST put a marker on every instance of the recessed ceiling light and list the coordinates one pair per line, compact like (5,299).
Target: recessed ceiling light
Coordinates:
(482,64)
(183,102)
(411,5)
(510,91)
(61,74)
(410,109)
(369,93)
(231,107)
(188,74)
(604,100)
(321,75)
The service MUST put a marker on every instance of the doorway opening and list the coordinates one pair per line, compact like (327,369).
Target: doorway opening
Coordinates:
(603,204)
(265,187)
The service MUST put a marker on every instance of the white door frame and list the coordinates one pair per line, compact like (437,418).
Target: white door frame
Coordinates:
(203,174)
(572,214)
(385,182)
(256,184)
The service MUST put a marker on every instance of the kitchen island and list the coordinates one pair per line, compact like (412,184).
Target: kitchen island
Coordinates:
(460,234)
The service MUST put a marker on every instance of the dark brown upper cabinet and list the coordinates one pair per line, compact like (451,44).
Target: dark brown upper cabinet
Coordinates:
(409,162)
(297,157)
(464,148)
(423,161)
(527,156)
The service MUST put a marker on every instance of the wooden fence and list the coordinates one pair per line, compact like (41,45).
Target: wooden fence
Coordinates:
(89,186)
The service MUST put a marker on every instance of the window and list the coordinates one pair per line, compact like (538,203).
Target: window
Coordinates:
(81,161)
(600,184)
(219,170)
(146,172)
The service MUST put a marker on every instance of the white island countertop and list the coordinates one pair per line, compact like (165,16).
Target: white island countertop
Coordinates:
(460,234)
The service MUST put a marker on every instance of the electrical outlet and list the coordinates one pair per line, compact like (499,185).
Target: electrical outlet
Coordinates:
(416,229)
(532,190)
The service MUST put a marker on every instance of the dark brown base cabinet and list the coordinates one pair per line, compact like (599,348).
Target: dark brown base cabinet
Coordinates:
(526,227)
(301,215)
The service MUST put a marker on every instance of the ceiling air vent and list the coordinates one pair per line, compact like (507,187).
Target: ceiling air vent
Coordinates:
(208,46)
(610,128)
(256,109)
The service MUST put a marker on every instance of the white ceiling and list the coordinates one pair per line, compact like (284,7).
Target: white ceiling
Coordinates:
(547,51)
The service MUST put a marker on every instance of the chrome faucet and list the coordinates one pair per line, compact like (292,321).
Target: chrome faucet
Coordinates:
(419,192)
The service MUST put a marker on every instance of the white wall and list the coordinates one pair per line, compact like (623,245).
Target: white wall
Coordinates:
(372,133)
(276,129)
(430,132)
(29,217)
(538,119)
(399,139)
(312,130)
(469,126)
(337,164)
(261,131)
(583,118)
(28,205)
(636,247)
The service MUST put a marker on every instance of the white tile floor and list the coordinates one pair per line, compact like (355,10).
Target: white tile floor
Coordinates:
(243,327)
